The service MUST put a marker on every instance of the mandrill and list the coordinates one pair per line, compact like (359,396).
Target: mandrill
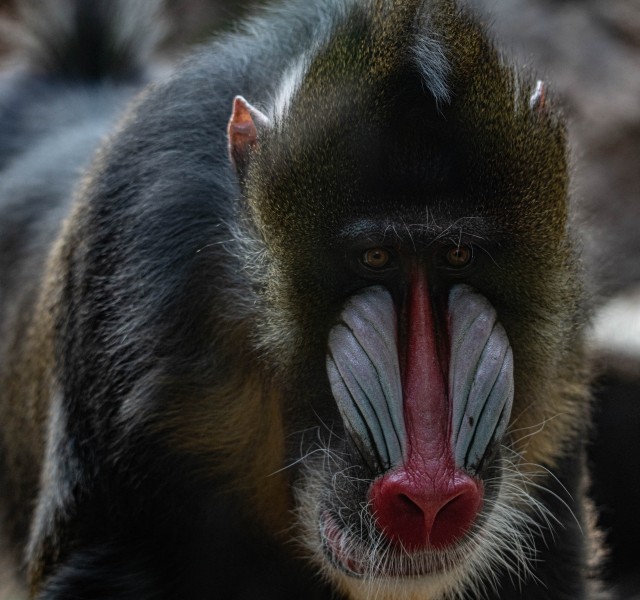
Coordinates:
(302,321)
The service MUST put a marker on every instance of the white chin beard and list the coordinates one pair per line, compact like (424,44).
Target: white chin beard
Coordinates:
(502,544)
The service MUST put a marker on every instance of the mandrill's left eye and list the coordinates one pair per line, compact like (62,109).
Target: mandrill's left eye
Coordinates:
(376,258)
(458,257)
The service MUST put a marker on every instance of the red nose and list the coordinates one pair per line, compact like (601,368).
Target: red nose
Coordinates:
(418,516)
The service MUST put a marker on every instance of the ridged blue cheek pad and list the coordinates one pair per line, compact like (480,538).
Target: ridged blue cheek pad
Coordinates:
(364,373)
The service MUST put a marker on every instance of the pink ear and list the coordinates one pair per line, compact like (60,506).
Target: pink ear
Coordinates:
(539,97)
(243,130)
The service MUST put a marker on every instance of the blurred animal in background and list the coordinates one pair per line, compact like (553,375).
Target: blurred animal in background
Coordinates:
(615,453)
(309,324)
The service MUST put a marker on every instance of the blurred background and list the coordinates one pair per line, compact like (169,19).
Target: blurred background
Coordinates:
(588,51)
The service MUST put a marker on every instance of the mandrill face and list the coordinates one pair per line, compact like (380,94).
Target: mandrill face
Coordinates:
(412,483)
(418,260)
(430,432)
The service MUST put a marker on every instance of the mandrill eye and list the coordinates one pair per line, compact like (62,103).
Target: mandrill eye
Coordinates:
(376,258)
(458,257)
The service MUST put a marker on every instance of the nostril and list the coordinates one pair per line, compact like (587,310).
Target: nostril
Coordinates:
(414,517)
(408,506)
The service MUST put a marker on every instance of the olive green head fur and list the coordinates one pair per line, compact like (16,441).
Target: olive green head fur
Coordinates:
(390,122)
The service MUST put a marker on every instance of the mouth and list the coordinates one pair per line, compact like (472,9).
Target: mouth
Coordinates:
(377,558)
(342,550)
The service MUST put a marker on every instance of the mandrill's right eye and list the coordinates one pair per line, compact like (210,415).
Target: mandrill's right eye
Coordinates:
(376,258)
(459,257)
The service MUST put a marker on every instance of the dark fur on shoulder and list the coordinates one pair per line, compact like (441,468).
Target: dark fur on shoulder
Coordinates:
(55,109)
